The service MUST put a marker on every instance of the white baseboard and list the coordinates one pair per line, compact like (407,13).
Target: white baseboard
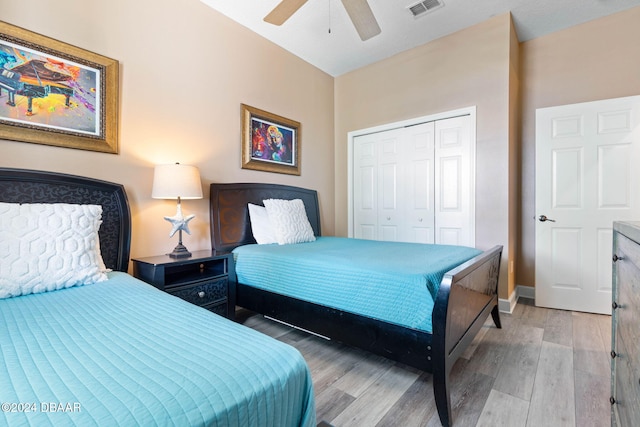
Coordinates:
(526,292)
(507,305)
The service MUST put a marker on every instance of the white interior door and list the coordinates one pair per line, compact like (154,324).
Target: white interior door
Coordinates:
(587,159)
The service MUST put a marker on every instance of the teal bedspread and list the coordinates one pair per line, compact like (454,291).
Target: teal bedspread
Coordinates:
(389,281)
(122,353)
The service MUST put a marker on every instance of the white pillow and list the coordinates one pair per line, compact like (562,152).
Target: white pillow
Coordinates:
(45,247)
(289,221)
(101,264)
(260,225)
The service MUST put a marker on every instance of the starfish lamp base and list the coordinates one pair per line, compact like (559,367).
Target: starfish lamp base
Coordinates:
(180,251)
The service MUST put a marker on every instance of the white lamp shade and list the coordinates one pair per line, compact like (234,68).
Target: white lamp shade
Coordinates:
(176,180)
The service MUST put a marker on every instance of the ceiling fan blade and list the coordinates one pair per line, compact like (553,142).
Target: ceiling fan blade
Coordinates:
(362,17)
(283,11)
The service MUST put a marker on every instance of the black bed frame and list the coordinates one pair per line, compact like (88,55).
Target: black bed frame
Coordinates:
(467,295)
(30,186)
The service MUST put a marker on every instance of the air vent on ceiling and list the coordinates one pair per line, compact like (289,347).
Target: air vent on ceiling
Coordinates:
(425,6)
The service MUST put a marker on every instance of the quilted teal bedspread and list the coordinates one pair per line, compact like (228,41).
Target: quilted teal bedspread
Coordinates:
(122,353)
(390,281)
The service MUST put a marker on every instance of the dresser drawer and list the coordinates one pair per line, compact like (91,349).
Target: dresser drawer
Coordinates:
(629,251)
(627,388)
(628,312)
(202,293)
(625,363)
(627,315)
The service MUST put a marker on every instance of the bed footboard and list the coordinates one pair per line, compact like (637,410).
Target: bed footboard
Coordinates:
(466,296)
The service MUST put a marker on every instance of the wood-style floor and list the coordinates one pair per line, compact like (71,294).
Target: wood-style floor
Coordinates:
(543,368)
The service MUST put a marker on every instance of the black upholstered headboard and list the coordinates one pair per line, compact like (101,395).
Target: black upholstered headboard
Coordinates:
(230,224)
(30,186)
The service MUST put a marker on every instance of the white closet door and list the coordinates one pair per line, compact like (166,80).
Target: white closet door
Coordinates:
(454,182)
(419,184)
(390,167)
(394,185)
(415,183)
(365,187)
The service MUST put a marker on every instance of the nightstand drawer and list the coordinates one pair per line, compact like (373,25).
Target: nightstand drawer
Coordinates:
(202,293)
(220,309)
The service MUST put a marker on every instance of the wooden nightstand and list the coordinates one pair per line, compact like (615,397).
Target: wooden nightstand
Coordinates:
(206,279)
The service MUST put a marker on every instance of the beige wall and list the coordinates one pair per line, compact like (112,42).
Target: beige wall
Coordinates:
(588,62)
(184,70)
(470,67)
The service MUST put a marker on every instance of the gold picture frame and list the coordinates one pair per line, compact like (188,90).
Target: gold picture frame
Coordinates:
(270,143)
(57,94)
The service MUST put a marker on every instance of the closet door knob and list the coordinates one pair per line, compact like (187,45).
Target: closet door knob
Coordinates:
(617,258)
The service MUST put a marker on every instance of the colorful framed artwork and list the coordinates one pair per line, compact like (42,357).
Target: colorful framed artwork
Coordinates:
(57,94)
(269,142)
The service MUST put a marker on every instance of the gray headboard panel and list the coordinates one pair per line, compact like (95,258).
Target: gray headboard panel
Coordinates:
(30,186)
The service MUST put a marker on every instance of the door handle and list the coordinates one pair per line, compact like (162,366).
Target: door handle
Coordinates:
(544,218)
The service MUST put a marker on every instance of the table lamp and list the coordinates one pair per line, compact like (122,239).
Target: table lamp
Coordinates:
(177,181)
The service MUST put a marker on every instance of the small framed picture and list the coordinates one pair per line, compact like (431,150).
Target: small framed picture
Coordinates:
(270,143)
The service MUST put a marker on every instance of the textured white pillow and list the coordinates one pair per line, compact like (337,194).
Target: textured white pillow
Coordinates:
(260,225)
(45,247)
(289,220)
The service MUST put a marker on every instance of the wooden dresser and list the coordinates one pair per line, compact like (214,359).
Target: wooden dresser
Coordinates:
(625,323)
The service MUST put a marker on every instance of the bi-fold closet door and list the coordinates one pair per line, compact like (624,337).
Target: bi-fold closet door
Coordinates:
(415,183)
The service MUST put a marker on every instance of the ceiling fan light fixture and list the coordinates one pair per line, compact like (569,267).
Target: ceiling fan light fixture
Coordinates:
(422,7)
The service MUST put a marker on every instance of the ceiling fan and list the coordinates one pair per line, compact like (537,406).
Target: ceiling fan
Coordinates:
(359,11)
